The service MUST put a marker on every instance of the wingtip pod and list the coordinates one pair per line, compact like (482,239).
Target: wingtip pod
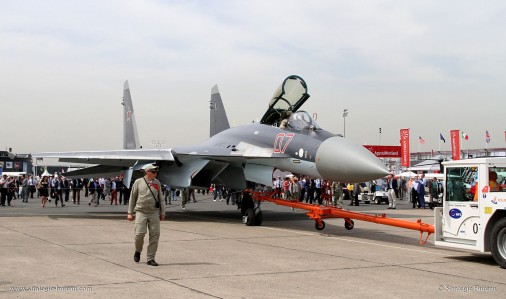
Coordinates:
(340,160)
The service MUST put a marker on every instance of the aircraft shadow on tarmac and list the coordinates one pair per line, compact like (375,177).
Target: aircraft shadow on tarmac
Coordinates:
(300,222)
(284,219)
(91,215)
(275,219)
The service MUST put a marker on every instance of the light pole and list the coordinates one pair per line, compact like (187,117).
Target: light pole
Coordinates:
(380,135)
(345,113)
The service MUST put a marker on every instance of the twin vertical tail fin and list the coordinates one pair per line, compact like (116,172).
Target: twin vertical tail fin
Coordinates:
(130,135)
(218,117)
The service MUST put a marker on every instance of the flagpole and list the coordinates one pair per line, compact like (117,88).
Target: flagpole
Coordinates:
(467,147)
(486,143)
(461,142)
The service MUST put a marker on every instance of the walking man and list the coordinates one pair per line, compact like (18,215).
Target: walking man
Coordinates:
(391,192)
(146,201)
(24,188)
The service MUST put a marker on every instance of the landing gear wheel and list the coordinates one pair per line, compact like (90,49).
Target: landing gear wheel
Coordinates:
(349,225)
(318,226)
(249,217)
(258,218)
(498,242)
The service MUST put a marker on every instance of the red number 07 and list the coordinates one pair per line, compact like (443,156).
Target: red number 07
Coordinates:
(281,143)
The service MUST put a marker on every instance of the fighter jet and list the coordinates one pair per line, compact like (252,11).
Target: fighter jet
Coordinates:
(286,138)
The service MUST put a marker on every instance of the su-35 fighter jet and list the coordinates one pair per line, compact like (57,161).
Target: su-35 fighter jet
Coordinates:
(286,138)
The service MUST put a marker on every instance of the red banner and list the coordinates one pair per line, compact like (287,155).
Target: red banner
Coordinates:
(385,151)
(405,148)
(455,137)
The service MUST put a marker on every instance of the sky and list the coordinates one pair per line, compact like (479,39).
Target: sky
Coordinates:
(431,66)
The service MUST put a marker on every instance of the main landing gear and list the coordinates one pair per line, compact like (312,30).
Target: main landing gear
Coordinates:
(250,210)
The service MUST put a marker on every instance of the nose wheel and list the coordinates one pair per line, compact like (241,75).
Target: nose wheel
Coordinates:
(251,218)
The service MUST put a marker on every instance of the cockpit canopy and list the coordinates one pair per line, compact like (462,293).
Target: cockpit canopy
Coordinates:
(289,97)
(301,120)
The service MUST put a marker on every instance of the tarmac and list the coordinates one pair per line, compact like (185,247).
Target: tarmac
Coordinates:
(205,251)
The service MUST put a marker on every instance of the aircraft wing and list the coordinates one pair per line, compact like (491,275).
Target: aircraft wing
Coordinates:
(112,157)
(98,171)
(198,164)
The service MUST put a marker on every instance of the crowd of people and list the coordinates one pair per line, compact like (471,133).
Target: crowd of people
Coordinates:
(309,190)
(322,192)
(62,190)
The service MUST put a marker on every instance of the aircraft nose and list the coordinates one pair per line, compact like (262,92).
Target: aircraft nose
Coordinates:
(340,160)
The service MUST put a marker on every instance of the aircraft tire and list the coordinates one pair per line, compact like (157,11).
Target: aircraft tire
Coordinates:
(259,218)
(250,217)
(318,226)
(349,226)
(498,242)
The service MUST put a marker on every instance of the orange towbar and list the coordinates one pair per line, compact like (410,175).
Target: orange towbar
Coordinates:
(318,213)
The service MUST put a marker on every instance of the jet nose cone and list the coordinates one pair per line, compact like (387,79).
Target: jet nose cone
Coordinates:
(340,160)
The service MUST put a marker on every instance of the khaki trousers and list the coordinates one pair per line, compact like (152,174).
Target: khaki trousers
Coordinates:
(143,221)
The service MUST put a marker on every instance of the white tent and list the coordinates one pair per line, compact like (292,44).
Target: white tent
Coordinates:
(407,174)
(439,176)
(430,165)
(45,173)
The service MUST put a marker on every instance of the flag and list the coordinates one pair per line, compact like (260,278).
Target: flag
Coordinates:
(455,142)
(487,136)
(442,138)
(405,148)
(421,140)
(464,136)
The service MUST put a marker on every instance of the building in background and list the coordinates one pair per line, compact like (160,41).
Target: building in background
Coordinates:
(10,162)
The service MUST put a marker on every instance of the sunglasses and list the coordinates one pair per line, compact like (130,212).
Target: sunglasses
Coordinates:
(153,171)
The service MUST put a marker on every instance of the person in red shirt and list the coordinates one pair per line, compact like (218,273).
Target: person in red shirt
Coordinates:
(286,188)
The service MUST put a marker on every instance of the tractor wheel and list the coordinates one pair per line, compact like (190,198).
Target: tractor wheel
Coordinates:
(498,242)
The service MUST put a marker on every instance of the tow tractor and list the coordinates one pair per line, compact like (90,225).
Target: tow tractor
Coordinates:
(473,215)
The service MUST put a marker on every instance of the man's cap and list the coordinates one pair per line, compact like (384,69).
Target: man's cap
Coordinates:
(150,167)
